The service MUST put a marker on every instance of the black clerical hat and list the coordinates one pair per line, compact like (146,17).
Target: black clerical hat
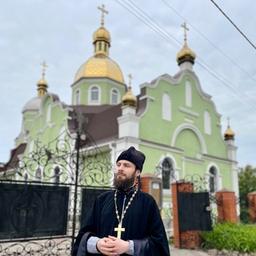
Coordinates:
(134,156)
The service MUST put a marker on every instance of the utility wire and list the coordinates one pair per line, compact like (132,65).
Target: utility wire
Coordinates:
(250,76)
(136,11)
(236,27)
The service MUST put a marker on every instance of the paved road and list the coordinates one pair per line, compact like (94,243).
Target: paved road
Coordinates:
(183,252)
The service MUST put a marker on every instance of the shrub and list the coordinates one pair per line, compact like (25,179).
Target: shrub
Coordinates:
(232,237)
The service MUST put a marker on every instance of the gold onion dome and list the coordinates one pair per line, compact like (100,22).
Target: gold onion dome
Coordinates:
(229,134)
(100,65)
(42,83)
(186,54)
(129,99)
(101,34)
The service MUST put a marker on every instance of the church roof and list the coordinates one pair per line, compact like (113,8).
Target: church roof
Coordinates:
(97,118)
(32,105)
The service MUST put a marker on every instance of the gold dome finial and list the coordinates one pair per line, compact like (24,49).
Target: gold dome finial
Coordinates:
(103,12)
(229,133)
(101,37)
(129,99)
(185,54)
(42,84)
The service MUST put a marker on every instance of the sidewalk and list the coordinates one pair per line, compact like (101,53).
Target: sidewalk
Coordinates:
(183,252)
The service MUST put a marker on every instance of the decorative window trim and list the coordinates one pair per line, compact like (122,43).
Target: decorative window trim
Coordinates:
(77,98)
(188,94)
(207,123)
(94,102)
(166,107)
(111,96)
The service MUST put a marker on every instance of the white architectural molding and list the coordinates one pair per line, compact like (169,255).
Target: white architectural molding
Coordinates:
(184,126)
(188,111)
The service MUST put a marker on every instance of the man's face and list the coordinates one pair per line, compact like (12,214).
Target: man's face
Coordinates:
(125,174)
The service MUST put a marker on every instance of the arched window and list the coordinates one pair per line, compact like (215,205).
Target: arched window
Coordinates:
(57,174)
(94,95)
(166,107)
(213,180)
(114,96)
(38,174)
(77,97)
(207,123)
(167,173)
(188,94)
(49,114)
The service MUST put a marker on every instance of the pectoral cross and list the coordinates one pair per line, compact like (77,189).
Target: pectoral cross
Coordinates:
(119,230)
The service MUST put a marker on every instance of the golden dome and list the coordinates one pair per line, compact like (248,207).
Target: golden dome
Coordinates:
(100,66)
(42,87)
(101,34)
(129,99)
(229,134)
(185,54)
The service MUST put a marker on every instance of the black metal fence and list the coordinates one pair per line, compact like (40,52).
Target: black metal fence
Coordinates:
(48,192)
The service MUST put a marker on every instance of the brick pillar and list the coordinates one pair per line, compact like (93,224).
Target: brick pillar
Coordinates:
(252,206)
(226,206)
(153,186)
(187,239)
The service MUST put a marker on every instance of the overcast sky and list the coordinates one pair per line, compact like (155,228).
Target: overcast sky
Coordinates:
(60,32)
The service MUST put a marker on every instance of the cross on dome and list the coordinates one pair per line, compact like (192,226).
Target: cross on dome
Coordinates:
(44,66)
(103,12)
(130,80)
(184,25)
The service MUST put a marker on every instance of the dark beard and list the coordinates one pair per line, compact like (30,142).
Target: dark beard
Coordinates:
(125,184)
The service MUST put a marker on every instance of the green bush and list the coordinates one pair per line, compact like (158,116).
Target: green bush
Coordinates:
(232,237)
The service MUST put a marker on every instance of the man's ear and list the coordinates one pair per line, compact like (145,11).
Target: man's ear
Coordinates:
(137,173)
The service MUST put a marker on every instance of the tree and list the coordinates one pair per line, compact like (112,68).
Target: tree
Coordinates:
(247,184)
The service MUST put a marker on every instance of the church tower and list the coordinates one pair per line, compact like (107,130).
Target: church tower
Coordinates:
(99,81)
(229,137)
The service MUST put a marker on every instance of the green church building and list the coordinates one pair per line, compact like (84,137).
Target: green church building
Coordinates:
(172,120)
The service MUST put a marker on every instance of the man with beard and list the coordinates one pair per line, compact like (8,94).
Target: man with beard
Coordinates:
(125,221)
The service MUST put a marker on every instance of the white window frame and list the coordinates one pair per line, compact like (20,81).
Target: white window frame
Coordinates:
(207,123)
(77,97)
(188,94)
(166,107)
(117,96)
(94,102)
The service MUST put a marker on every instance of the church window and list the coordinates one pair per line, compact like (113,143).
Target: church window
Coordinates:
(94,95)
(167,173)
(57,174)
(100,46)
(188,94)
(207,123)
(49,114)
(105,47)
(114,96)
(166,107)
(77,97)
(38,174)
(212,180)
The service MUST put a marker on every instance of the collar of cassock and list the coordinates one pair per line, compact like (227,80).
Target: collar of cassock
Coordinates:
(126,192)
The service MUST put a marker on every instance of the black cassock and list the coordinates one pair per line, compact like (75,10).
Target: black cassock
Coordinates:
(142,223)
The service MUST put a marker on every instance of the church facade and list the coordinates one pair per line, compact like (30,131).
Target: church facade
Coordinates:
(172,120)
